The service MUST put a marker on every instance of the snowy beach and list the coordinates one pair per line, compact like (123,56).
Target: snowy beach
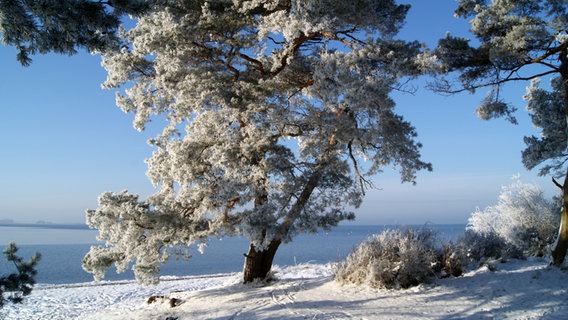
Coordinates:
(527,289)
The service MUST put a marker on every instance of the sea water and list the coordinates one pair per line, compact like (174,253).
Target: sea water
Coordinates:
(63,248)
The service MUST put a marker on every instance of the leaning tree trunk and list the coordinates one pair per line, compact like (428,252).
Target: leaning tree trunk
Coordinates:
(561,244)
(259,262)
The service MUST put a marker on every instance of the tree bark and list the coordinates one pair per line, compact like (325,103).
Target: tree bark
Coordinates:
(561,245)
(259,262)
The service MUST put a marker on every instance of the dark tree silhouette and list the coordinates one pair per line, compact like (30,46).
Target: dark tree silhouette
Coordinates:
(15,286)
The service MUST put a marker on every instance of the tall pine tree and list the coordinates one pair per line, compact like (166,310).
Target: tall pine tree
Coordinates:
(277,113)
(518,41)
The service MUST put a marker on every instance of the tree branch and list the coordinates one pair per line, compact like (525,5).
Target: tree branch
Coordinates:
(334,36)
(258,64)
(557,184)
(298,42)
(496,83)
(229,206)
(356,167)
(546,55)
(291,50)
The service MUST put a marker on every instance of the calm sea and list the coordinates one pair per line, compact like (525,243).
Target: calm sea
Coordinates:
(63,248)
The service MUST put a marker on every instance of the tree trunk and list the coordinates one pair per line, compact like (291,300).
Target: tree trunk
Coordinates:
(259,263)
(561,244)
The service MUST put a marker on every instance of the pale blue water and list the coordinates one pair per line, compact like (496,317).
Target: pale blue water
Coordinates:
(65,249)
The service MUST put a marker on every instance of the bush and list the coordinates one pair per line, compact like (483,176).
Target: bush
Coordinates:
(394,259)
(522,218)
(17,284)
(453,260)
(481,248)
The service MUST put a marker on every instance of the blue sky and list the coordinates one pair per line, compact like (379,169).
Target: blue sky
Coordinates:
(64,141)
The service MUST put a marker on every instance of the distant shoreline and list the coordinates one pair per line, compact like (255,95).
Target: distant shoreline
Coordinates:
(47,226)
(79,226)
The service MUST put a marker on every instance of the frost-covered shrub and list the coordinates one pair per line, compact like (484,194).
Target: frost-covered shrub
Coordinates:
(398,258)
(473,250)
(522,218)
(453,260)
(478,248)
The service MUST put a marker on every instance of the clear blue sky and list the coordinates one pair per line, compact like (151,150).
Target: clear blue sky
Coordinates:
(63,141)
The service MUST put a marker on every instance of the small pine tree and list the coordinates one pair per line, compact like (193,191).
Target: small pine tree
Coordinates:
(18,284)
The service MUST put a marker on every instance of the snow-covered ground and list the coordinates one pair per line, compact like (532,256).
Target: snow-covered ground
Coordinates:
(515,290)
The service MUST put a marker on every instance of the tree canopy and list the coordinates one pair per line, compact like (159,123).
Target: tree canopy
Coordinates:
(276,113)
(64,26)
(517,41)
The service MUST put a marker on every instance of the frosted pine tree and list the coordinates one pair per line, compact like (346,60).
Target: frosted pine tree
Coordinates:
(518,41)
(277,114)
